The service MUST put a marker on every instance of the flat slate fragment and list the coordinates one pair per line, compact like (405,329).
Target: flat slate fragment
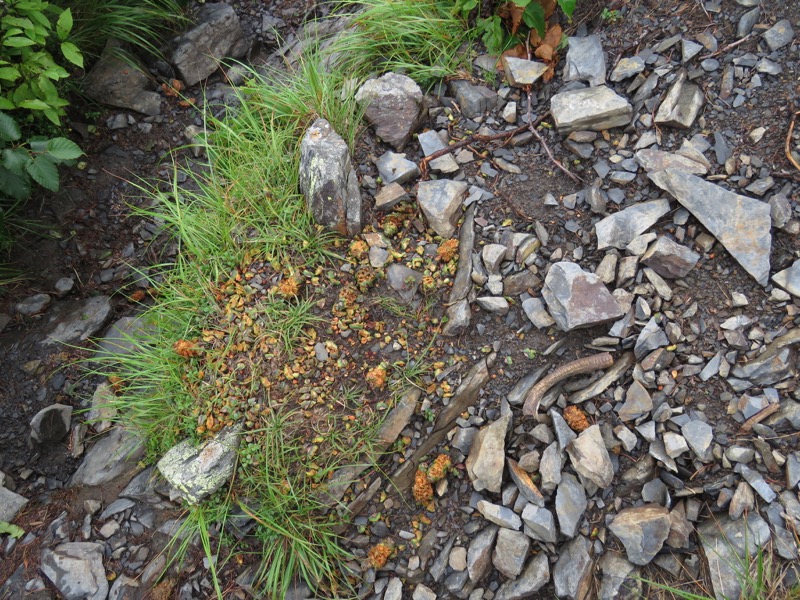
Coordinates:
(594,108)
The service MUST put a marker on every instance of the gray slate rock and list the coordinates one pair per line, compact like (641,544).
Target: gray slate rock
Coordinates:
(459,316)
(474,100)
(123,337)
(217,35)
(82,320)
(115,82)
(537,313)
(394,107)
(430,143)
(620,578)
(651,336)
(403,280)
(638,403)
(779,35)
(500,515)
(572,574)
(670,259)
(642,530)
(396,168)
(521,72)
(789,279)
(197,472)
(586,61)
(741,224)
(577,298)
(116,453)
(328,180)
(510,552)
(533,578)
(590,457)
(747,21)
(681,105)
(627,67)
(51,424)
(76,569)
(621,228)
(33,305)
(440,201)
(539,523)
(10,504)
(570,504)
(699,436)
(595,108)
(479,553)
(488,456)
(651,160)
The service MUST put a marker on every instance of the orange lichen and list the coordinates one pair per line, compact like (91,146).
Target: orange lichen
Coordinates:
(379,555)
(359,249)
(365,278)
(422,490)
(186,348)
(376,377)
(439,468)
(447,250)
(576,418)
(288,287)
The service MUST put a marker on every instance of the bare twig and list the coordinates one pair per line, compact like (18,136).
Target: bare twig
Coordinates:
(539,137)
(759,416)
(576,367)
(724,49)
(788,144)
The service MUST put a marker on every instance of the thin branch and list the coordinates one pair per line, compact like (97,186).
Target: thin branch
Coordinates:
(724,49)
(788,144)
(539,137)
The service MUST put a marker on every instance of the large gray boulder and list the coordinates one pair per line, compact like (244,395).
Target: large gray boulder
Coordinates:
(197,53)
(199,471)
(393,107)
(328,180)
(76,569)
(119,83)
(577,298)
(741,224)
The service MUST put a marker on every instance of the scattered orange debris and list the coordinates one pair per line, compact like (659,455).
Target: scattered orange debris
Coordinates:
(576,418)
(439,468)
(422,490)
(186,348)
(379,555)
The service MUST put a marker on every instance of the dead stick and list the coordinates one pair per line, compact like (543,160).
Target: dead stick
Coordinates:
(788,145)
(759,416)
(477,137)
(728,47)
(552,158)
(576,367)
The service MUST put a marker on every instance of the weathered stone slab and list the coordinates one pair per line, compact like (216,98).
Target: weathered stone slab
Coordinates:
(594,108)
(394,107)
(681,105)
(577,298)
(620,228)
(440,201)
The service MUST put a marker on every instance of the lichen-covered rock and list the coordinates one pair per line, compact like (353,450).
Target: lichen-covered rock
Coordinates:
(328,180)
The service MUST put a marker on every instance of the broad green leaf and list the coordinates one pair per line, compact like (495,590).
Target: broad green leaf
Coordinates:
(15,159)
(16,186)
(56,73)
(64,25)
(34,104)
(63,149)
(53,116)
(9,73)
(49,91)
(18,42)
(38,146)
(18,22)
(6,104)
(44,172)
(23,92)
(568,6)
(522,3)
(534,18)
(9,131)
(14,531)
(72,54)
(40,19)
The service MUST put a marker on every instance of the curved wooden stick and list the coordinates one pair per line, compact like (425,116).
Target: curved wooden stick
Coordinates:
(576,367)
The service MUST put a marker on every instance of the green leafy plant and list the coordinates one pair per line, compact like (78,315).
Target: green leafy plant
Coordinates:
(35,160)
(29,73)
(610,16)
(14,531)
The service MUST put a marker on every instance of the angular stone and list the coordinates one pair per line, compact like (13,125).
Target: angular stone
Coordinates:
(689,49)
(33,305)
(789,279)
(533,578)
(620,578)
(493,304)
(83,319)
(585,61)
(779,35)
(515,284)
(423,592)
(621,228)
(674,444)
(51,424)
(627,67)
(458,318)
(699,436)
(394,107)
(740,223)
(474,100)
(116,453)
(403,280)
(440,201)
(521,72)
(550,467)
(328,180)
(217,34)
(479,554)
(488,456)
(76,569)
(510,552)
(115,82)
(393,167)
(197,472)
(537,313)
(500,515)
(590,457)
(390,196)
(577,298)
(570,504)
(637,403)
(430,143)
(572,574)
(747,21)
(681,105)
(757,482)
(539,523)
(595,108)
(651,160)
(642,530)
(524,483)
(670,259)
(10,504)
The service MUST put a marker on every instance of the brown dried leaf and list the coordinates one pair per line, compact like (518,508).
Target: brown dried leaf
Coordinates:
(545,52)
(553,36)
